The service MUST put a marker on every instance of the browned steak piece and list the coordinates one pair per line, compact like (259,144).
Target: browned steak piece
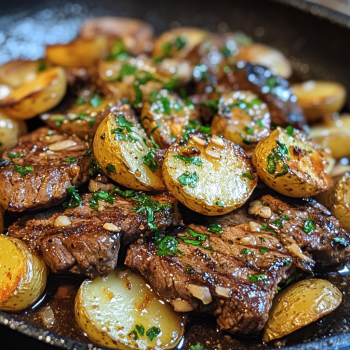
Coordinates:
(233,275)
(311,227)
(89,241)
(42,166)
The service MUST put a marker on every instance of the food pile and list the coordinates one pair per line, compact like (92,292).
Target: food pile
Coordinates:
(189,153)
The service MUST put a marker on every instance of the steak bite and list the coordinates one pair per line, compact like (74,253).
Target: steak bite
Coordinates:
(40,168)
(85,239)
(216,273)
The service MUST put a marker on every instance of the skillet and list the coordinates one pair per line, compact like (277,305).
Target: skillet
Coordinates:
(313,37)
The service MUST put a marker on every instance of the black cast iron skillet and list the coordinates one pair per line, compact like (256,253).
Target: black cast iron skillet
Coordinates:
(314,38)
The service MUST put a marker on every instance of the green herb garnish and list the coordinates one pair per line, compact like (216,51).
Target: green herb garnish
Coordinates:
(246,251)
(277,223)
(264,250)
(42,66)
(215,228)
(23,171)
(309,225)
(290,130)
(187,160)
(110,168)
(168,246)
(188,179)
(96,100)
(106,196)
(74,198)
(188,270)
(219,203)
(70,159)
(140,329)
(198,346)
(150,160)
(250,176)
(12,156)
(257,278)
(152,333)
(285,217)
(199,236)
(80,101)
(340,240)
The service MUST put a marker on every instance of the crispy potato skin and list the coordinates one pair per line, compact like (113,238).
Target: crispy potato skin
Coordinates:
(22,275)
(125,156)
(36,96)
(337,200)
(318,98)
(305,176)
(220,178)
(299,305)
(333,134)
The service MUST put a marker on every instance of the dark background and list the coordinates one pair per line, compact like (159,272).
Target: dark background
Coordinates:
(317,47)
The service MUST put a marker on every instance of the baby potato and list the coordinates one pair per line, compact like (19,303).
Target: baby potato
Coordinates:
(136,35)
(268,57)
(209,174)
(299,305)
(290,164)
(10,131)
(83,118)
(337,200)
(178,42)
(120,146)
(318,98)
(333,134)
(165,116)
(22,275)
(78,53)
(242,118)
(37,96)
(121,312)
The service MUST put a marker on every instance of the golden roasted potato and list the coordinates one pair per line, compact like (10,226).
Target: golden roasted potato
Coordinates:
(121,312)
(83,118)
(165,117)
(209,174)
(10,131)
(178,42)
(136,35)
(266,56)
(78,53)
(22,275)
(242,118)
(299,305)
(318,98)
(135,78)
(333,134)
(37,96)
(337,200)
(290,164)
(120,146)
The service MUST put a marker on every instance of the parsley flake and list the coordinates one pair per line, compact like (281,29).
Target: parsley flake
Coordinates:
(215,228)
(152,333)
(110,168)
(257,278)
(309,225)
(23,171)
(187,160)
(188,179)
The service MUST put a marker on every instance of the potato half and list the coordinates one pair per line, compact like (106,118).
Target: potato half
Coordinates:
(337,200)
(242,118)
(78,53)
(120,311)
(289,163)
(10,130)
(268,57)
(299,305)
(22,275)
(121,149)
(165,116)
(318,98)
(209,174)
(37,96)
(333,134)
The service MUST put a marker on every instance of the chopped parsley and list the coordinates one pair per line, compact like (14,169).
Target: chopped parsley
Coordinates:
(106,196)
(49,133)
(23,171)
(213,105)
(80,101)
(41,66)
(188,179)
(266,228)
(187,160)
(249,130)
(94,166)
(290,130)
(118,51)
(219,203)
(191,241)
(133,335)
(215,228)
(92,121)
(264,250)
(59,120)
(110,168)
(140,329)
(167,246)
(198,346)
(204,129)
(12,156)
(257,278)
(199,236)
(245,140)
(246,251)
(177,44)
(340,240)
(74,198)
(309,225)
(70,159)
(250,175)
(152,333)
(285,217)
(87,153)
(290,280)
(277,223)
(276,155)
(262,239)
(150,160)
(188,270)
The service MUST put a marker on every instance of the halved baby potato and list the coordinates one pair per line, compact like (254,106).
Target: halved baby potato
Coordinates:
(318,98)
(136,35)
(78,53)
(22,275)
(268,57)
(333,134)
(10,130)
(37,96)
(121,312)
(242,118)
(165,116)
(299,305)
(178,42)
(209,174)
(337,200)
(290,164)
(125,153)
